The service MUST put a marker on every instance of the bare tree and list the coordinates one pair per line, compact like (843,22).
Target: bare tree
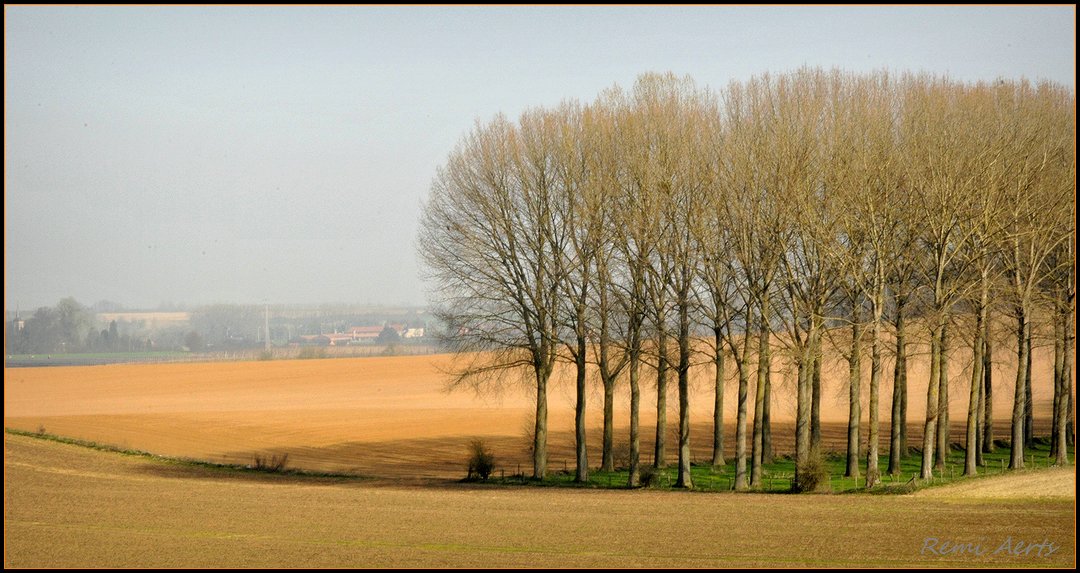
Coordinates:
(984,267)
(1033,192)
(627,147)
(681,116)
(873,190)
(940,165)
(942,450)
(717,300)
(987,397)
(488,248)
(561,141)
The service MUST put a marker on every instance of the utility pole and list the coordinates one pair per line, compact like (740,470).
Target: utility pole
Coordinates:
(267,323)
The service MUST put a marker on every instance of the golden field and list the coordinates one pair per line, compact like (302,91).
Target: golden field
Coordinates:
(68,506)
(392,419)
(392,416)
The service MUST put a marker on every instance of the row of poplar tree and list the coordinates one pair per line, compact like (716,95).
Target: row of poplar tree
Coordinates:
(752,223)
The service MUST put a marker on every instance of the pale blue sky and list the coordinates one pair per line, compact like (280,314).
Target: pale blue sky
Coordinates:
(244,154)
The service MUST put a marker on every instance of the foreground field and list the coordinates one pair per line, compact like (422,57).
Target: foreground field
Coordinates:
(68,506)
(1049,483)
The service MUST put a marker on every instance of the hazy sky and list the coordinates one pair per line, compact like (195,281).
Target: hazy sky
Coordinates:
(281,154)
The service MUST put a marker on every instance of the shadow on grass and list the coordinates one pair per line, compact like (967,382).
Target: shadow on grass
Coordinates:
(187,469)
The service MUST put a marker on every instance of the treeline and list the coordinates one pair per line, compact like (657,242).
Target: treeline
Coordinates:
(71,327)
(617,233)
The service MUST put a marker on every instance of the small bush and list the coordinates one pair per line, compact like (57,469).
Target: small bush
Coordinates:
(274,463)
(812,476)
(621,455)
(481,461)
(648,475)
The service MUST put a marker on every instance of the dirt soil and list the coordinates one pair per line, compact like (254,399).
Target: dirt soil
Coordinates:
(69,506)
(392,416)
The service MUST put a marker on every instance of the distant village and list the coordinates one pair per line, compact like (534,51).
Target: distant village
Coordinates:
(363,335)
(70,327)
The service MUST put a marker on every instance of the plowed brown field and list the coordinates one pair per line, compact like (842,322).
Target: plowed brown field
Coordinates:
(68,506)
(391,417)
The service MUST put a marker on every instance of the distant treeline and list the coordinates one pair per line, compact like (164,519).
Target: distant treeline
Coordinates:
(69,327)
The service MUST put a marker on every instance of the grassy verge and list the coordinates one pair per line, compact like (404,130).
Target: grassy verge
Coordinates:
(777,477)
(235,468)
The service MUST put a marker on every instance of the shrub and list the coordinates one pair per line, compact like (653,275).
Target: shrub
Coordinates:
(273,463)
(481,460)
(812,475)
(648,475)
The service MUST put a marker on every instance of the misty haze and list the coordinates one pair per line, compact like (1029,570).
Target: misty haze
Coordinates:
(539,286)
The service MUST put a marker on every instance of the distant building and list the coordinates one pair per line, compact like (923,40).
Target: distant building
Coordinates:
(365,333)
(358,335)
(335,339)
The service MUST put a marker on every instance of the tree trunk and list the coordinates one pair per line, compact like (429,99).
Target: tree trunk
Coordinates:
(740,423)
(540,430)
(805,390)
(896,429)
(1059,349)
(854,404)
(872,473)
(607,378)
(932,389)
(980,417)
(766,417)
(971,447)
(1016,458)
(718,403)
(1029,405)
(942,454)
(635,407)
(903,402)
(607,462)
(581,474)
(1065,406)
(815,400)
(661,399)
(759,398)
(1070,341)
(685,480)
(988,390)
(1070,432)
